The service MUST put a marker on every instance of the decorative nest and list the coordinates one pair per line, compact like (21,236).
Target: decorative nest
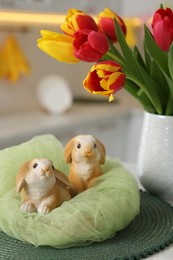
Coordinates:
(94,215)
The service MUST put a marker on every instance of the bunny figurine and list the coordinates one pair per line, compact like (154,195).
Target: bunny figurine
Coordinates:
(42,187)
(85,154)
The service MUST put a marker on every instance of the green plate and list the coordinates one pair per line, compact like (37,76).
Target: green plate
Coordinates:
(150,232)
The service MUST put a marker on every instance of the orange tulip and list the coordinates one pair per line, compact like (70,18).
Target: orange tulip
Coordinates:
(78,20)
(106,23)
(105,78)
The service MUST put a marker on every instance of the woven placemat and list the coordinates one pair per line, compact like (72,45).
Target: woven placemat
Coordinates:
(150,232)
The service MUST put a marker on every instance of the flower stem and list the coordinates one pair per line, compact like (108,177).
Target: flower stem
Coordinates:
(114,57)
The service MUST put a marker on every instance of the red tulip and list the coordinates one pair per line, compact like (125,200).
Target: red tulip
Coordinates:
(78,20)
(106,23)
(105,78)
(162,26)
(89,45)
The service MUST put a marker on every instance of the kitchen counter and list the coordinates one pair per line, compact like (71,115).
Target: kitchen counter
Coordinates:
(83,117)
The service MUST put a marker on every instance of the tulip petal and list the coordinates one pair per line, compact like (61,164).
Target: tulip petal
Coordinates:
(162,36)
(103,93)
(111,98)
(116,81)
(95,39)
(103,71)
(106,23)
(107,65)
(86,22)
(49,35)
(87,45)
(87,54)
(62,51)
(104,83)
(78,20)
(58,46)
(92,82)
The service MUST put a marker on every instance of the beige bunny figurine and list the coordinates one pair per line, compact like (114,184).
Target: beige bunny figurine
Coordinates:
(42,187)
(85,154)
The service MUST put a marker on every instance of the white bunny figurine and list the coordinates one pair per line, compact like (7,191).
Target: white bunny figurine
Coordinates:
(85,153)
(42,187)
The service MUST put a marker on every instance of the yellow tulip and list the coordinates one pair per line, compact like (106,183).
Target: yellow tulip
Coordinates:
(58,46)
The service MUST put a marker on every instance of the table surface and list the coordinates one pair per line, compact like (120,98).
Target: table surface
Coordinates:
(167,253)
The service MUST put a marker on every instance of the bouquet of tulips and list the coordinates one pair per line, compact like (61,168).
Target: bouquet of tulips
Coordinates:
(148,76)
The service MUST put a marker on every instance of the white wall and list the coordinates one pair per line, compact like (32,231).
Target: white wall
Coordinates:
(142,7)
(60,5)
(123,7)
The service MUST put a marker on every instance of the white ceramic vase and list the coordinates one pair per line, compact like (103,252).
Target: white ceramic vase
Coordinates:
(155,161)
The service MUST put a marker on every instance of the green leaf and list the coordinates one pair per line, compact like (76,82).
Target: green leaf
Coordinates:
(169,102)
(112,56)
(170,60)
(170,83)
(156,53)
(139,57)
(133,89)
(126,51)
(162,87)
(161,6)
(114,50)
(149,86)
(140,73)
(169,108)
(148,60)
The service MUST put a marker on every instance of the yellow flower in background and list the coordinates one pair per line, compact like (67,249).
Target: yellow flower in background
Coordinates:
(58,46)
(13,62)
(3,64)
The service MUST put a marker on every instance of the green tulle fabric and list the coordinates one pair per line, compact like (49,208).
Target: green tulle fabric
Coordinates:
(94,215)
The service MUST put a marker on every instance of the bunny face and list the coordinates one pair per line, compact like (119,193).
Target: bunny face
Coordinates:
(85,148)
(37,174)
(39,169)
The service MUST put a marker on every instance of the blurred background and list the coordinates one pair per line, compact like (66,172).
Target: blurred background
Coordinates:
(40,95)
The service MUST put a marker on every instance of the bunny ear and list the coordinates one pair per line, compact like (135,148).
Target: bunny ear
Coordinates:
(68,150)
(20,178)
(61,177)
(65,182)
(102,151)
